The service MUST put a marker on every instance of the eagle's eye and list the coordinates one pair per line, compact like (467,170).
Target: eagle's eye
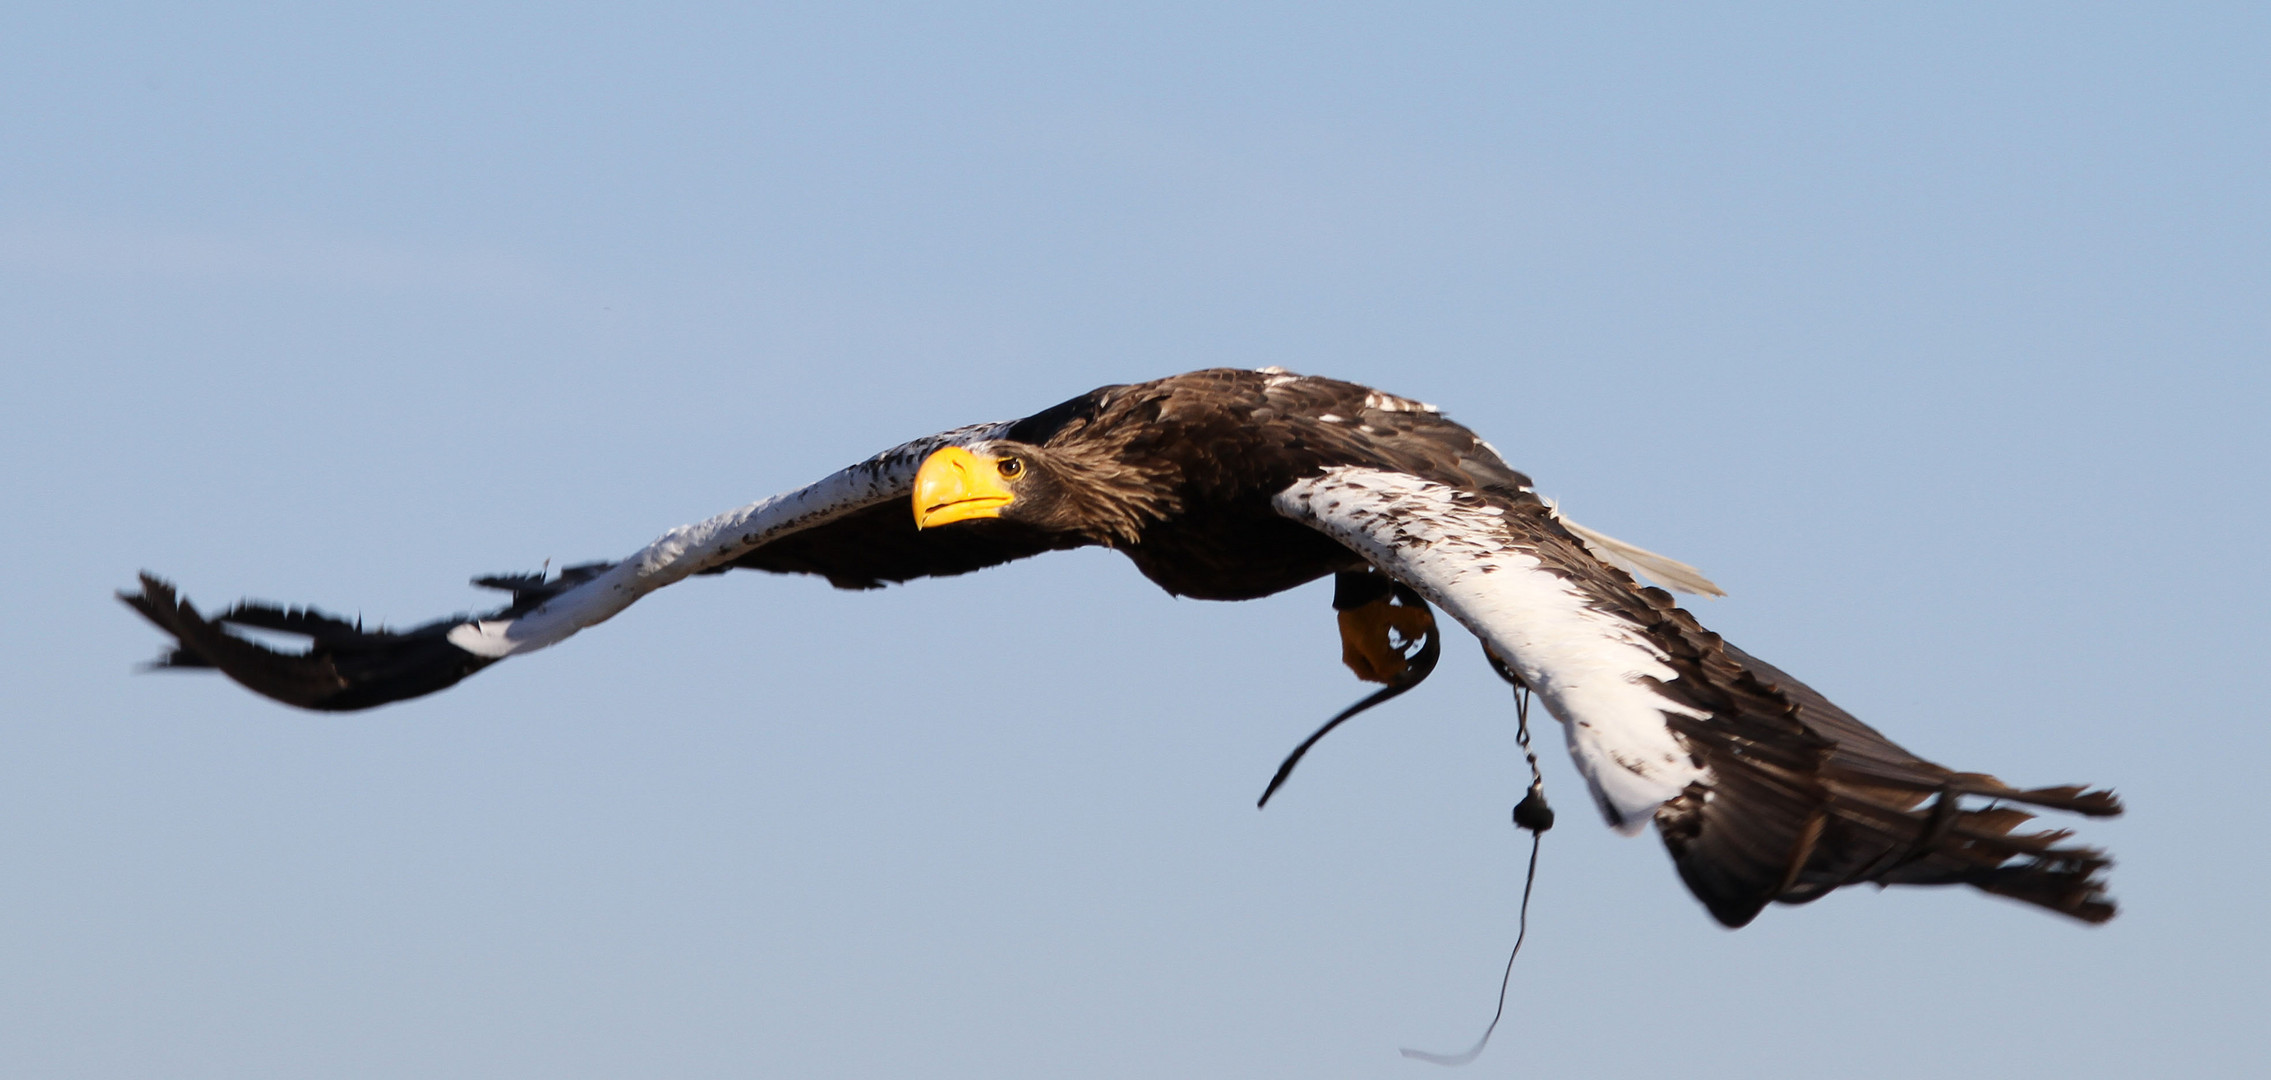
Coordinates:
(1009,468)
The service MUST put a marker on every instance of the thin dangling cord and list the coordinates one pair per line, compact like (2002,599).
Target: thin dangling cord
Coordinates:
(1533,814)
(1420,663)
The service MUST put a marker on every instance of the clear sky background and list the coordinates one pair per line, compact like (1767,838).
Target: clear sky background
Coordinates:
(1939,337)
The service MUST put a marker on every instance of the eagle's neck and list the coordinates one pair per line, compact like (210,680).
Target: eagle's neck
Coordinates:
(1113,501)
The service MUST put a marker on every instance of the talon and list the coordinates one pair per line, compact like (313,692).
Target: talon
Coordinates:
(1366,645)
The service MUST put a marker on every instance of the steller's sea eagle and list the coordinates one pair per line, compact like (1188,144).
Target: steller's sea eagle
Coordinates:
(1231,485)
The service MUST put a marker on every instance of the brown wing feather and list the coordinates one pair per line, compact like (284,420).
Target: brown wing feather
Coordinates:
(350,667)
(1800,797)
(345,667)
(1803,798)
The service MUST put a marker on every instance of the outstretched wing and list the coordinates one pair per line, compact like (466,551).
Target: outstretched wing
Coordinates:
(1762,790)
(855,527)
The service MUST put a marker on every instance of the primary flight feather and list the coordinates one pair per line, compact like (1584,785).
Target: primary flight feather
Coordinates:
(1231,485)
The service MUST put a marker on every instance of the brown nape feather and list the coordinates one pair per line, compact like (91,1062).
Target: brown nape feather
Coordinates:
(1085,487)
(1803,799)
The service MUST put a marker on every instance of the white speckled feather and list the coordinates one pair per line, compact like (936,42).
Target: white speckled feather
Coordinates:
(1590,667)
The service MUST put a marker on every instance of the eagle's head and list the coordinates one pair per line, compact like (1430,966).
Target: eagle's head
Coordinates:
(1062,489)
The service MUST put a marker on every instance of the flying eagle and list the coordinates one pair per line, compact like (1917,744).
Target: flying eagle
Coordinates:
(1232,485)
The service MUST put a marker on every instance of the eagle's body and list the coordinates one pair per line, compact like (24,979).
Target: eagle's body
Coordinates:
(1232,485)
(1181,473)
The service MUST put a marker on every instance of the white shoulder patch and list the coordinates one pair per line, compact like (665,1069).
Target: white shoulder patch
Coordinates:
(1391,403)
(689,549)
(1588,666)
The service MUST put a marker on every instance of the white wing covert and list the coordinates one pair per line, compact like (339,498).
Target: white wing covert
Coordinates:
(1762,790)
(1591,667)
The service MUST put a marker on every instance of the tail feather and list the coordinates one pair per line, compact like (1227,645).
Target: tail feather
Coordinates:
(1803,799)
(1984,849)
(1751,838)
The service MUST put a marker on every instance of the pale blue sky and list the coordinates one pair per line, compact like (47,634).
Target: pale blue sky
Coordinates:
(1939,337)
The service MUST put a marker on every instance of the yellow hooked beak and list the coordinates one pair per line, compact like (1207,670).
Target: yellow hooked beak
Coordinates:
(957,485)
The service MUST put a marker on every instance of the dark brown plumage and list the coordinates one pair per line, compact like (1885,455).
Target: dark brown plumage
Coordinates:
(1193,478)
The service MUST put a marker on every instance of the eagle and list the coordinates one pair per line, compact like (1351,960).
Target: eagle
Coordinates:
(1232,485)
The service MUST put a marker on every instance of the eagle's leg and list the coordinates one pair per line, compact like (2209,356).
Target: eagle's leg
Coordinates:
(1379,628)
